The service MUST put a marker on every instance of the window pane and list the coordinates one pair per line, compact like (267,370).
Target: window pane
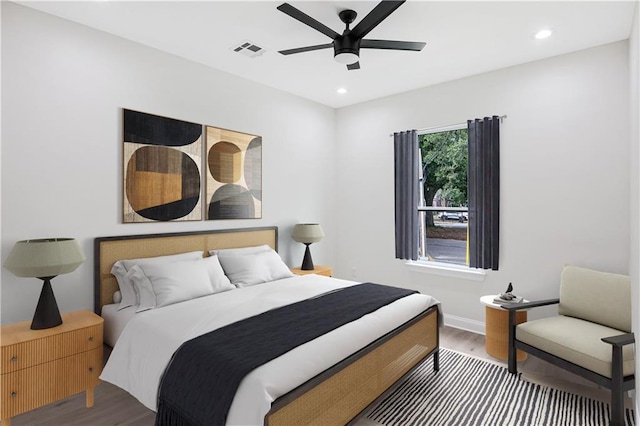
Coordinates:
(446,239)
(444,215)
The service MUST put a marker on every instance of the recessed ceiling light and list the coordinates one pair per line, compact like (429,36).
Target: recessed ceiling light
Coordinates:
(342,90)
(543,34)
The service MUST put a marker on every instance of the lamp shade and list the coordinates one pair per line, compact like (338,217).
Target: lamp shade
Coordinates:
(44,257)
(307,233)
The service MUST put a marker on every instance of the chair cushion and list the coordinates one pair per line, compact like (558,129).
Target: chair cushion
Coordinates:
(576,341)
(595,296)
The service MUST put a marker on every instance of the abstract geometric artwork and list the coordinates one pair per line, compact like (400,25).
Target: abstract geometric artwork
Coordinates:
(234,175)
(162,169)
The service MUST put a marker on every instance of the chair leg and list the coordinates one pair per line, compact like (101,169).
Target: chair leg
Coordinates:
(617,392)
(511,361)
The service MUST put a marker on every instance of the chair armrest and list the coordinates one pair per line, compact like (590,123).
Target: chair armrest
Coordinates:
(620,340)
(527,305)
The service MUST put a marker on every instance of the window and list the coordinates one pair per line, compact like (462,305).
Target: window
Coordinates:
(429,169)
(443,202)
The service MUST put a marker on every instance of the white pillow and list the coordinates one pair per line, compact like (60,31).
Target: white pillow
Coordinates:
(117,297)
(143,287)
(176,281)
(121,267)
(256,268)
(128,294)
(240,251)
(219,281)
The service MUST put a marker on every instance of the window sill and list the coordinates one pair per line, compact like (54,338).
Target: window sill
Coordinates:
(447,270)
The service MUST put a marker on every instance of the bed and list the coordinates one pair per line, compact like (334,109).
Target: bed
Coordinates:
(363,360)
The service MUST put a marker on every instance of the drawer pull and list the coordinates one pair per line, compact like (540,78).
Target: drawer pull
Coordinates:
(14,359)
(13,394)
(91,338)
(90,369)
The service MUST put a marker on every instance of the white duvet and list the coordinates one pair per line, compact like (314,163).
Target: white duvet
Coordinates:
(150,338)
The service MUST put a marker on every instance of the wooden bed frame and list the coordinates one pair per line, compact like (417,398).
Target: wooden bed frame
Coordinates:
(337,396)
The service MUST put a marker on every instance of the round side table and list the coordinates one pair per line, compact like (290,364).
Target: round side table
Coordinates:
(497,329)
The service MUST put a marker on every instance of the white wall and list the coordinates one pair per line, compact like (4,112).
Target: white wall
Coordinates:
(564,175)
(63,90)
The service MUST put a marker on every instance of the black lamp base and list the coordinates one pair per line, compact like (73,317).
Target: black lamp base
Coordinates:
(47,314)
(307,263)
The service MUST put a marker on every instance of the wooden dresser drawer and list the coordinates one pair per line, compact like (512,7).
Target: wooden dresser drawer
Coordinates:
(34,352)
(30,388)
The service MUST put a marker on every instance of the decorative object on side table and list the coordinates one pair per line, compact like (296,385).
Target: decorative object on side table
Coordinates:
(307,233)
(507,297)
(45,259)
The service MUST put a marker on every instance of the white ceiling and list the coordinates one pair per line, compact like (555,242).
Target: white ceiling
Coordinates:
(463,38)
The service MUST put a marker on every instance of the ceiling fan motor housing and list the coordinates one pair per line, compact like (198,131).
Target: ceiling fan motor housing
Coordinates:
(346,44)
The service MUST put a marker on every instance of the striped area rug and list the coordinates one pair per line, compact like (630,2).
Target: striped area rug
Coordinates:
(471,391)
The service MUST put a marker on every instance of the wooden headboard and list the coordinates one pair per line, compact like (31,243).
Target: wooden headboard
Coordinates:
(108,250)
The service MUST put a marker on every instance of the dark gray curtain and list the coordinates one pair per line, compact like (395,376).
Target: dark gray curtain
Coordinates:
(484,192)
(405,145)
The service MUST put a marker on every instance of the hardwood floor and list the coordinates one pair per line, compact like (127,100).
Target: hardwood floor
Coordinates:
(114,406)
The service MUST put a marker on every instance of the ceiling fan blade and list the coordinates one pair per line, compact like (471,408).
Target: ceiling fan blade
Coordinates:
(354,66)
(305,49)
(377,15)
(392,44)
(307,20)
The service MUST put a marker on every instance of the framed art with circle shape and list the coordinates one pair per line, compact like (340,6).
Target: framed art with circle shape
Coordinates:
(162,169)
(234,175)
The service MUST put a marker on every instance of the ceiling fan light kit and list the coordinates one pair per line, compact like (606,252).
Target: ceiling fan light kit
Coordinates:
(346,58)
(346,46)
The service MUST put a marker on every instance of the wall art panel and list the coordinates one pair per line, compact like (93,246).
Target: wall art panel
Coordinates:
(234,175)
(162,169)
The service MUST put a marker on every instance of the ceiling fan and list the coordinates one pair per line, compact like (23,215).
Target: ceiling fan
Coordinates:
(346,46)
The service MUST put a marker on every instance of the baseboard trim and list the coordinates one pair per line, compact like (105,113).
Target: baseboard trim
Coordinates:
(464,324)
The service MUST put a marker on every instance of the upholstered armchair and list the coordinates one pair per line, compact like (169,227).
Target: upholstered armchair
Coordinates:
(591,335)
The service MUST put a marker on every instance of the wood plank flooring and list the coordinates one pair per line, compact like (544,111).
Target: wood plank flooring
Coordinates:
(114,406)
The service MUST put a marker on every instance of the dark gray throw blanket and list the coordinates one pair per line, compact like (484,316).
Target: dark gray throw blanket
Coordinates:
(203,376)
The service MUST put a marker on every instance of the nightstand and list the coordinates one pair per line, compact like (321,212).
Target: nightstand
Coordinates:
(497,329)
(38,367)
(318,269)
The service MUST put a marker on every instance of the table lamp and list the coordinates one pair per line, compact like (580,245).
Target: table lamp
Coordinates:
(45,259)
(307,233)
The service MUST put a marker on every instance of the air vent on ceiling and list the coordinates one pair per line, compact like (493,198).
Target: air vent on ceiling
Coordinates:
(248,48)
